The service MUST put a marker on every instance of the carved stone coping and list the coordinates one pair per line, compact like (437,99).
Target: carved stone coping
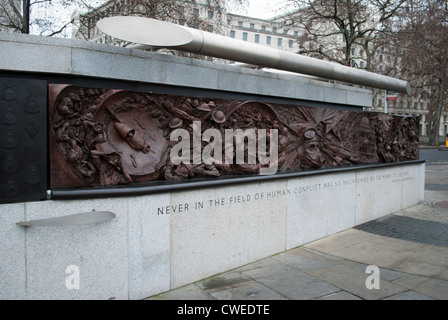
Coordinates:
(144,189)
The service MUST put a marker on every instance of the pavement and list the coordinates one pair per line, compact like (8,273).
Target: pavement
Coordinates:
(402,256)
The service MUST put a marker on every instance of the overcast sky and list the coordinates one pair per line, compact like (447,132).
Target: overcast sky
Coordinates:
(264,9)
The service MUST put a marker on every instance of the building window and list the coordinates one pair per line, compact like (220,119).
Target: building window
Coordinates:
(257,38)
(245,36)
(285,31)
(263,28)
(290,43)
(361,64)
(232,33)
(268,40)
(228,22)
(252,26)
(279,42)
(210,14)
(196,12)
(274,29)
(240,23)
(296,33)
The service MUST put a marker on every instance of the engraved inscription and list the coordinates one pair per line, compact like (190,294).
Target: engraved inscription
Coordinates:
(23,140)
(9,93)
(9,140)
(10,164)
(9,116)
(32,105)
(32,128)
(33,153)
(10,188)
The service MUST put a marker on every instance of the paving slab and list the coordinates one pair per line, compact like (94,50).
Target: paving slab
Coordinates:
(188,292)
(351,279)
(304,260)
(258,264)
(248,291)
(390,275)
(430,261)
(428,210)
(290,282)
(341,295)
(409,295)
(224,281)
(409,228)
(434,288)
(370,249)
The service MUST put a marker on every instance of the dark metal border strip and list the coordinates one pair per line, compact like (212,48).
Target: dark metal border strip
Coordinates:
(159,187)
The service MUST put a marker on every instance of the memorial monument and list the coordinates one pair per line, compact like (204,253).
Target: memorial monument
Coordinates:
(127,173)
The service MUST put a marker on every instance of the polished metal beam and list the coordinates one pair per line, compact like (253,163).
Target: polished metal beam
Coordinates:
(163,34)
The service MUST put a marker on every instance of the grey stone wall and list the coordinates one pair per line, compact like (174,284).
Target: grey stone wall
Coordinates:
(27,53)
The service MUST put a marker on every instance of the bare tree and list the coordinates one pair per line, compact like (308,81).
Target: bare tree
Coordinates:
(44,17)
(14,15)
(402,38)
(333,28)
(422,41)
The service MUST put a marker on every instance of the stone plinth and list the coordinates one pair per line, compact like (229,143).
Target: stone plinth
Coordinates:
(158,242)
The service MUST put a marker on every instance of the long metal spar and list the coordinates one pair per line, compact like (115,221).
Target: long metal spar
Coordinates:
(163,34)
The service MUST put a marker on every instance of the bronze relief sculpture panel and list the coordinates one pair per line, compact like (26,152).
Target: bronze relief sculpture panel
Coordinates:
(103,137)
